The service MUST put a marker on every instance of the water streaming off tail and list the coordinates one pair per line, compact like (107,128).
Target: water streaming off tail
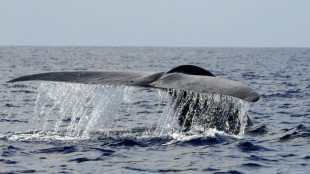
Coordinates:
(191,112)
(79,110)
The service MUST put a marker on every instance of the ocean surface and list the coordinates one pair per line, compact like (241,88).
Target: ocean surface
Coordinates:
(53,127)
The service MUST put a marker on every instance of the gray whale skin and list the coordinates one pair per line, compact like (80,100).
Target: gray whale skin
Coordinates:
(184,77)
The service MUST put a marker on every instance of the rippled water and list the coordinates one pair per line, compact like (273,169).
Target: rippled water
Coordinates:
(50,127)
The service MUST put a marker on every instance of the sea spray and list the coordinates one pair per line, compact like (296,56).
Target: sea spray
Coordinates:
(76,109)
(193,113)
(81,110)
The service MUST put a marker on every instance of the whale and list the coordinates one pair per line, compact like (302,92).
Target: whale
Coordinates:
(184,77)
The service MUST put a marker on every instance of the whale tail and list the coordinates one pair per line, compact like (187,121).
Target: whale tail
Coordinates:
(186,84)
(184,77)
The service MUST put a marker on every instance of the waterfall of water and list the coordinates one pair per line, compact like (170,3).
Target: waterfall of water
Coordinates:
(76,110)
(194,112)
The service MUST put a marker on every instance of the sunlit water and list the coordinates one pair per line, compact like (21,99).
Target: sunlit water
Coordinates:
(53,127)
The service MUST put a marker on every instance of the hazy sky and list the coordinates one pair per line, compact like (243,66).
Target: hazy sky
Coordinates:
(188,23)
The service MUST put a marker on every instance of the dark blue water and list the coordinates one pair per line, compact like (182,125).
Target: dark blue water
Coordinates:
(50,127)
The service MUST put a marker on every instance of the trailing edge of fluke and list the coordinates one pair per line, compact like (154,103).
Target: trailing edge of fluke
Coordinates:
(184,77)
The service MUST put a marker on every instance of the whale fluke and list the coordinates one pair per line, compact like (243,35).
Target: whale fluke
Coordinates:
(184,77)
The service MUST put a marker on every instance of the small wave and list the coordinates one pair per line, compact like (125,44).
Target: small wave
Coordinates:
(201,141)
(63,150)
(307,157)
(249,147)
(257,130)
(23,91)
(10,151)
(143,169)
(252,165)
(210,169)
(258,158)
(7,161)
(17,86)
(24,171)
(285,94)
(209,137)
(300,131)
(288,155)
(13,121)
(103,152)
(84,159)
(229,172)
(11,105)
(127,142)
